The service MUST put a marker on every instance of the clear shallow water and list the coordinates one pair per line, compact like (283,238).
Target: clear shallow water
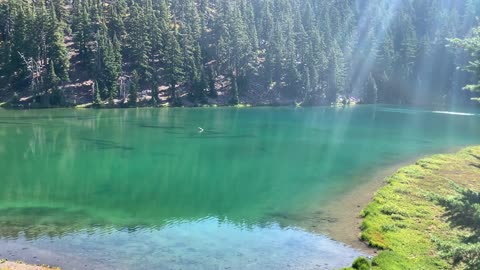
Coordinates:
(203,244)
(113,189)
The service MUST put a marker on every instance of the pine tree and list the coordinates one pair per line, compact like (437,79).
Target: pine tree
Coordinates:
(370,90)
(408,49)
(235,98)
(19,44)
(212,92)
(97,99)
(107,63)
(60,10)
(133,89)
(471,45)
(155,99)
(83,34)
(57,51)
(116,25)
(336,70)
(139,42)
(52,80)
(173,64)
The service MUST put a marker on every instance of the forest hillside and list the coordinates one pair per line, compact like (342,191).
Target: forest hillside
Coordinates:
(194,52)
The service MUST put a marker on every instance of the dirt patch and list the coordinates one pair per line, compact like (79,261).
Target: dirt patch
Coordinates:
(7,265)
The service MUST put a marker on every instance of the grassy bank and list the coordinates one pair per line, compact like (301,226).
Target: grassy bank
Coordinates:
(405,220)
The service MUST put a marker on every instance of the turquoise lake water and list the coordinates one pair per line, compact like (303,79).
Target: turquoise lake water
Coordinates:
(145,189)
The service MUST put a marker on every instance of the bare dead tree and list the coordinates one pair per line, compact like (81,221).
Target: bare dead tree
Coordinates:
(123,91)
(35,68)
(93,91)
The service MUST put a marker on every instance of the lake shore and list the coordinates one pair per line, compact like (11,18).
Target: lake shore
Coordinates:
(347,209)
(86,100)
(404,223)
(7,265)
(27,106)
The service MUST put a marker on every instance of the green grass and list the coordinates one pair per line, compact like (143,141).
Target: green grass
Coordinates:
(402,220)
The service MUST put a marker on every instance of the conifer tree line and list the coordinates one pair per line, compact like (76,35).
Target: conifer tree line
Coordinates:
(309,51)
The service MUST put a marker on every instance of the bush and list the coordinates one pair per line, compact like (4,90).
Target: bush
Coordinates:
(389,228)
(390,209)
(57,97)
(361,263)
(463,211)
(15,98)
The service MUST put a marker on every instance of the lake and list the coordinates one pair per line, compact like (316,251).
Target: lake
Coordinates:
(200,188)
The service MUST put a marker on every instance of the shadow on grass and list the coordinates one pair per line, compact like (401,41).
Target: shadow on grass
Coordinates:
(475,165)
(475,156)
(463,212)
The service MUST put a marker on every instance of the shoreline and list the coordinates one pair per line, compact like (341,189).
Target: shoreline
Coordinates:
(347,209)
(8,265)
(20,107)
(406,224)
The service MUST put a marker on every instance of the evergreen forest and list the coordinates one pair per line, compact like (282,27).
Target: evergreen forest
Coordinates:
(194,52)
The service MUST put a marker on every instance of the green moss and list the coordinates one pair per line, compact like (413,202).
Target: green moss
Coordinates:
(402,220)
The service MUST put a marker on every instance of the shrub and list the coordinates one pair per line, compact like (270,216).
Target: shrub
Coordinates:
(390,209)
(15,98)
(361,263)
(389,228)
(57,97)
